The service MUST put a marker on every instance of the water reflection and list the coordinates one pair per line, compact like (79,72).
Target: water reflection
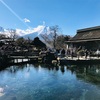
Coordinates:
(49,82)
(89,73)
(1,91)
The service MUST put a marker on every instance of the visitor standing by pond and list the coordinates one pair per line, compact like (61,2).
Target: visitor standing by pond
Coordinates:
(62,52)
(97,52)
(86,53)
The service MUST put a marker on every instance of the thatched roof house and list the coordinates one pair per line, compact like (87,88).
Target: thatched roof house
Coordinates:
(88,37)
(87,34)
(38,43)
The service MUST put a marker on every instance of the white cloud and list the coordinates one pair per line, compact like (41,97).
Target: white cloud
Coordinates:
(26,20)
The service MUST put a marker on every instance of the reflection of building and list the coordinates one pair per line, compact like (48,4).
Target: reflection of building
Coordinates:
(89,73)
(88,38)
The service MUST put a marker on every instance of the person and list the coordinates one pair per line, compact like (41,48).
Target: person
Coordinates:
(90,52)
(68,52)
(86,54)
(63,52)
(72,54)
(97,52)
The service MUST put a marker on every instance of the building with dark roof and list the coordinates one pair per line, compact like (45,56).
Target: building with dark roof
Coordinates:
(89,38)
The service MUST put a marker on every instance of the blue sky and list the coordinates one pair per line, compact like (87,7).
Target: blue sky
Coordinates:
(70,15)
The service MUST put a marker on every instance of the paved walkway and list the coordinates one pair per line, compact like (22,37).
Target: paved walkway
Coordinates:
(81,58)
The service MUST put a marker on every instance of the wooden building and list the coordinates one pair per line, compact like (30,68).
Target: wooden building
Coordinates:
(88,38)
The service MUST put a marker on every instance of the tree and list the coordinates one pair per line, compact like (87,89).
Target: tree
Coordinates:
(53,34)
(54,38)
(12,34)
(67,37)
(20,41)
(60,41)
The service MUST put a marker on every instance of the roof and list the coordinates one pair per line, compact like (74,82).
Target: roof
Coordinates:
(87,34)
(38,43)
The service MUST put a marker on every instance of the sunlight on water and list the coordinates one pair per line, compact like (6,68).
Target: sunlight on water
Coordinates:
(48,82)
(1,91)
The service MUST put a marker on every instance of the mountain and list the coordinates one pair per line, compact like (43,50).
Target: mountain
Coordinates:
(28,33)
(42,31)
(31,35)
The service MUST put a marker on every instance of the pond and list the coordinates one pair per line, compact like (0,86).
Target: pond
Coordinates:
(48,82)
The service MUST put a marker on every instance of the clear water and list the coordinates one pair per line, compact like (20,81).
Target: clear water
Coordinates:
(45,82)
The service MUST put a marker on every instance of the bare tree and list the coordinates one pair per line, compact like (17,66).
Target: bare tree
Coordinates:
(51,36)
(13,35)
(54,30)
(60,41)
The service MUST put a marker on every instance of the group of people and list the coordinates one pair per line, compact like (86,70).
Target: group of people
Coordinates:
(74,52)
